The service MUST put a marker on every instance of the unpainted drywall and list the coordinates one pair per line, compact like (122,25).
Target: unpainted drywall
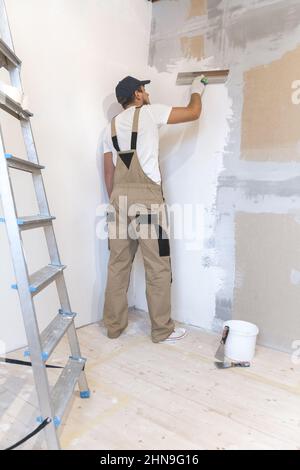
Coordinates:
(271,117)
(267,276)
(197,8)
(192,46)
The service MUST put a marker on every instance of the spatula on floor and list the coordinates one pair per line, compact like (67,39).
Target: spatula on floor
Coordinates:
(220,354)
(227,365)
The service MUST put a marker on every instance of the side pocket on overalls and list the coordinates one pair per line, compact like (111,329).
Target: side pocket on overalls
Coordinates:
(166,216)
(107,225)
(171,270)
(167,220)
(163,231)
(110,219)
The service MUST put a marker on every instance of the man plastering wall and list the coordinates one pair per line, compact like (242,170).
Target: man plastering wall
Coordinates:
(137,205)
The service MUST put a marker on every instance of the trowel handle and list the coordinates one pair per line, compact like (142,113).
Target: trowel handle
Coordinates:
(225,334)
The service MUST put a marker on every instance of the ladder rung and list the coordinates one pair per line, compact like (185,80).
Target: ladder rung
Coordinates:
(63,389)
(42,278)
(34,221)
(12,107)
(21,164)
(54,332)
(8,58)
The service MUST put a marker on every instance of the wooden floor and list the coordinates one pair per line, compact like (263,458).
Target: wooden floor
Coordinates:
(159,396)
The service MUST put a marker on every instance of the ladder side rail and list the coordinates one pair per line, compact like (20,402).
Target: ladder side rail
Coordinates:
(32,155)
(71,333)
(26,301)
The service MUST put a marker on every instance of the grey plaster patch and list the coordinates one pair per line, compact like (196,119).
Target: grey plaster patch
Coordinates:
(254,188)
(258,23)
(223,308)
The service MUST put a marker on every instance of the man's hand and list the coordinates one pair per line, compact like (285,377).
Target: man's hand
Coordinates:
(109,170)
(198,85)
(194,108)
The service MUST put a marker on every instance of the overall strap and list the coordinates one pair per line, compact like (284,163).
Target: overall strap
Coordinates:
(135,126)
(114,134)
(134,132)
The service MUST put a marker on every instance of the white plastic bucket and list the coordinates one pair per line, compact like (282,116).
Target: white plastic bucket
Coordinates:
(241,340)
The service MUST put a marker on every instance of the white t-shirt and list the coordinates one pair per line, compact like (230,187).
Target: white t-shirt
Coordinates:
(152,117)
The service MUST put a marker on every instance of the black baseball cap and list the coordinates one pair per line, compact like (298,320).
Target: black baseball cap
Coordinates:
(128,86)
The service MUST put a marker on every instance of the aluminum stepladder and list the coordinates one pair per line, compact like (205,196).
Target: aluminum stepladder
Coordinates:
(52,403)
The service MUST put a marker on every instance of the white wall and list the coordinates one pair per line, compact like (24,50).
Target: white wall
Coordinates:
(73,52)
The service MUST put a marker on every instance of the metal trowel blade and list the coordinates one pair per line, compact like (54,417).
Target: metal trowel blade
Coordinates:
(213,76)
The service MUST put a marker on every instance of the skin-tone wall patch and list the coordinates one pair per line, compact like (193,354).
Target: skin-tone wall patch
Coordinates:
(192,46)
(271,117)
(197,8)
(265,292)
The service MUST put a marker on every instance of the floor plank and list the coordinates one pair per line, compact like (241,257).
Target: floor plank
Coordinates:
(160,396)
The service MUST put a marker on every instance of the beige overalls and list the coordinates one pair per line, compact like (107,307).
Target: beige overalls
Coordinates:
(137,215)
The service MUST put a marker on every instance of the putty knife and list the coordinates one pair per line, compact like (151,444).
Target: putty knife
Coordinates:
(212,76)
(220,354)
